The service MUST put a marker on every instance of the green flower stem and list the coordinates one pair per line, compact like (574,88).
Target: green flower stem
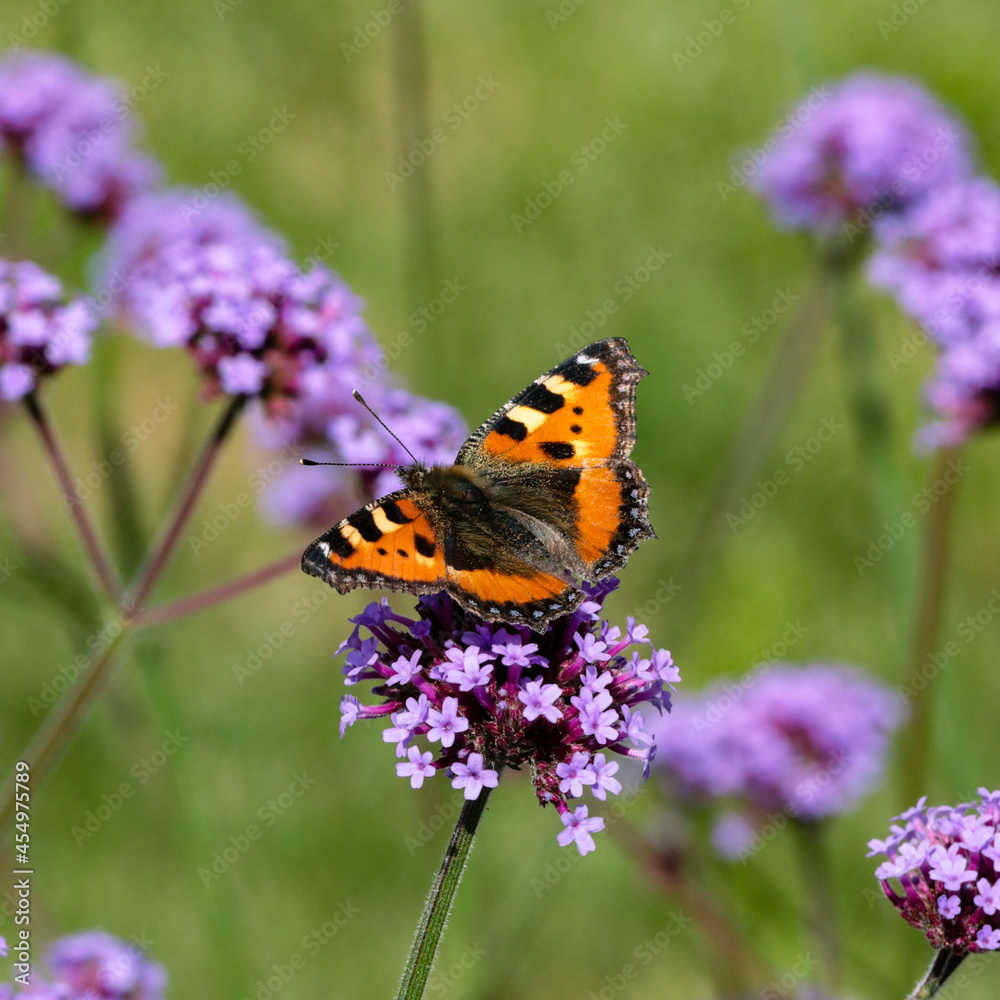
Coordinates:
(99,561)
(45,749)
(216,595)
(741,968)
(868,406)
(789,371)
(926,627)
(821,903)
(944,964)
(442,896)
(859,346)
(157,561)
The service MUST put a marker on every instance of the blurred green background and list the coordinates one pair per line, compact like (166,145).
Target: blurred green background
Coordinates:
(555,80)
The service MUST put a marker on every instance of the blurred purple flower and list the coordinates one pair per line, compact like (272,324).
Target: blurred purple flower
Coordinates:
(72,131)
(943,872)
(499,718)
(96,965)
(215,282)
(328,425)
(806,741)
(941,260)
(874,144)
(160,219)
(40,330)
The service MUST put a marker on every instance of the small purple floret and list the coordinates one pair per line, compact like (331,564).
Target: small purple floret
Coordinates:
(40,332)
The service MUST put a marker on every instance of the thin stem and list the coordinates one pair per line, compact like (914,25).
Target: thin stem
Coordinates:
(161,552)
(99,561)
(670,877)
(760,431)
(439,902)
(821,903)
(945,963)
(917,736)
(62,722)
(216,595)
(858,345)
(410,87)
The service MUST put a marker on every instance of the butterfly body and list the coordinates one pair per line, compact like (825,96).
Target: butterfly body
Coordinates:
(541,493)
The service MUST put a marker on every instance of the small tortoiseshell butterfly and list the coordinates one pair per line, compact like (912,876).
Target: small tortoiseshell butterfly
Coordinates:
(543,491)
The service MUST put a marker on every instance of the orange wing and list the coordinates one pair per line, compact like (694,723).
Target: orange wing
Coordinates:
(528,598)
(577,422)
(579,414)
(389,544)
(392,544)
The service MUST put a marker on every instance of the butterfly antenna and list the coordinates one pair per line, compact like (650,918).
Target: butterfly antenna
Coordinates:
(353,465)
(357,395)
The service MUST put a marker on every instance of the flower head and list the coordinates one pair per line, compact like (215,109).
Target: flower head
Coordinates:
(74,132)
(95,965)
(40,331)
(539,713)
(210,279)
(941,259)
(872,143)
(943,872)
(806,741)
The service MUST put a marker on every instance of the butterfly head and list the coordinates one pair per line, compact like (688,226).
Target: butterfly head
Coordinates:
(414,475)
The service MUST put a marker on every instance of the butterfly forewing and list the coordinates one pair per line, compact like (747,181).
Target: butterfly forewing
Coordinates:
(389,544)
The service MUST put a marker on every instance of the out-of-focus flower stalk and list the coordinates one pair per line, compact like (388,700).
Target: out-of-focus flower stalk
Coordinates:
(918,734)
(99,561)
(789,372)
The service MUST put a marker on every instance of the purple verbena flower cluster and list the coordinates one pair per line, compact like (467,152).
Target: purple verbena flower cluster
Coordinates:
(941,260)
(872,144)
(943,872)
(806,742)
(95,965)
(215,283)
(881,157)
(484,696)
(73,132)
(40,330)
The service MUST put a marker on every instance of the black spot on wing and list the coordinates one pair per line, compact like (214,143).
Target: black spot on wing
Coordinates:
(576,429)
(540,398)
(559,450)
(393,513)
(576,373)
(403,553)
(511,428)
(578,410)
(424,545)
(365,523)
(339,545)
